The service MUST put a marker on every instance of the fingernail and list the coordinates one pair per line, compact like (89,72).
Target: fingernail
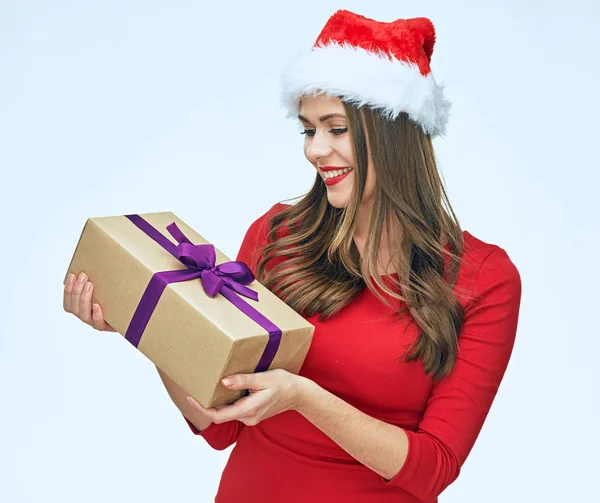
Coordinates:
(88,286)
(81,278)
(227,381)
(95,308)
(70,278)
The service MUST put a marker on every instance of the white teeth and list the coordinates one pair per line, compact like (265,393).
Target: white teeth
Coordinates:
(336,172)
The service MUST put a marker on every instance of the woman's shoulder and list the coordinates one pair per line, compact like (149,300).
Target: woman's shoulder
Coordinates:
(258,230)
(260,226)
(277,208)
(273,210)
(479,252)
(487,265)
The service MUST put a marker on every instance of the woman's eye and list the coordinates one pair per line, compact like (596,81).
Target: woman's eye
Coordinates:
(335,131)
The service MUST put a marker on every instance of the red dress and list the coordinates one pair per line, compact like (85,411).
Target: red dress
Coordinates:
(286,459)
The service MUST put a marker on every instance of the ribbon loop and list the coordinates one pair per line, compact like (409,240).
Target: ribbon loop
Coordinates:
(239,271)
(193,256)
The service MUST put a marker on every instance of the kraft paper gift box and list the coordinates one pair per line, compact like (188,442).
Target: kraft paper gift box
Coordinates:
(197,315)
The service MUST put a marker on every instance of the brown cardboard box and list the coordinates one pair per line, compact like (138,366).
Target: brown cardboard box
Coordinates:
(194,338)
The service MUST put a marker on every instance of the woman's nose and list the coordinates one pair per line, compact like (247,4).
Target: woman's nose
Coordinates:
(318,147)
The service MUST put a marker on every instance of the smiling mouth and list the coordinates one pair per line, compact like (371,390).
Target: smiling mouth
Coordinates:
(335,173)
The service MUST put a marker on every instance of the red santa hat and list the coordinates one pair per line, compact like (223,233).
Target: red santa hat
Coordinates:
(365,62)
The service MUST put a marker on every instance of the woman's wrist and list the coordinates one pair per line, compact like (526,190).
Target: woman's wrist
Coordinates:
(308,392)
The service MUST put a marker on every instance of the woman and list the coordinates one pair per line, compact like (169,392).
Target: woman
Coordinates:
(414,318)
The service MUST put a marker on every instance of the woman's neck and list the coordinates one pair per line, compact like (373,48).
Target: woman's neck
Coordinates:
(361,231)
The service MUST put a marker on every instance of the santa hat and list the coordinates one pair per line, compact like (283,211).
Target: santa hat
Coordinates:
(384,66)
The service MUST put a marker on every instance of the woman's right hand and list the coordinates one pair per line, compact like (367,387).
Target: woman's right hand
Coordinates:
(77,299)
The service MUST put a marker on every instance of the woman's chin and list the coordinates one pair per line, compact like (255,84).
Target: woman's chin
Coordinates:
(338,200)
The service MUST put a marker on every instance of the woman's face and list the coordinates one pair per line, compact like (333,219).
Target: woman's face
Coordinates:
(327,145)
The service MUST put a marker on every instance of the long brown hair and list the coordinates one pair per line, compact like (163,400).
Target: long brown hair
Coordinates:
(319,269)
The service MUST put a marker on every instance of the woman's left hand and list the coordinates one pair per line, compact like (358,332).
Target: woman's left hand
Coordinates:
(271,393)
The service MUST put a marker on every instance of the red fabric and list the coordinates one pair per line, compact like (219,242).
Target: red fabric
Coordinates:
(409,40)
(353,355)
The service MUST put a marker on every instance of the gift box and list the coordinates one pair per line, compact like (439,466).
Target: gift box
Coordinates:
(197,315)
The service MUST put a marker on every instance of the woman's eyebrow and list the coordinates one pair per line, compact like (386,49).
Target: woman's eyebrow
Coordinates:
(323,118)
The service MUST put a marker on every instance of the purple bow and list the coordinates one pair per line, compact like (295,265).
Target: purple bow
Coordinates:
(199,260)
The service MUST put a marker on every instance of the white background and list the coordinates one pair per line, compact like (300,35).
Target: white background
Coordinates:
(115,107)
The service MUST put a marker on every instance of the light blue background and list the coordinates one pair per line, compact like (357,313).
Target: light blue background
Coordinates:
(109,108)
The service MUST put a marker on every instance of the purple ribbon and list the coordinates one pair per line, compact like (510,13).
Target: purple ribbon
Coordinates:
(228,279)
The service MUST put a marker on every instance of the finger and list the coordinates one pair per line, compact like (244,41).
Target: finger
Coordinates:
(243,381)
(196,407)
(67,292)
(76,294)
(203,409)
(195,404)
(85,303)
(98,319)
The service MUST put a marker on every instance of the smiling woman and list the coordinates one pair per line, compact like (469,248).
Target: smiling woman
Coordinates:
(373,190)
(415,319)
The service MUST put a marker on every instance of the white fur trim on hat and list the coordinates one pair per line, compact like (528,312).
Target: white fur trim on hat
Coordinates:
(366,78)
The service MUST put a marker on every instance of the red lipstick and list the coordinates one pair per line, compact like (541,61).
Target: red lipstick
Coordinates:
(336,179)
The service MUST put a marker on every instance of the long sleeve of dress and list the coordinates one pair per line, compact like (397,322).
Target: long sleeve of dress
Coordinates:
(221,436)
(460,402)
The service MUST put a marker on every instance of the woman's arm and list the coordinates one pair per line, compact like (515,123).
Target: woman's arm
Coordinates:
(424,462)
(378,445)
